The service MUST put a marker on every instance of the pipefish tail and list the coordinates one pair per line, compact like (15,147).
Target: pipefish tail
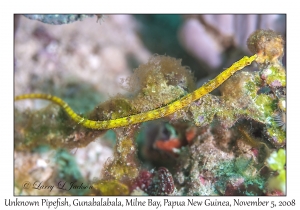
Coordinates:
(152,114)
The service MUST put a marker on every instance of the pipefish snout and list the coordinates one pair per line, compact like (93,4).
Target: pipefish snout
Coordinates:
(149,115)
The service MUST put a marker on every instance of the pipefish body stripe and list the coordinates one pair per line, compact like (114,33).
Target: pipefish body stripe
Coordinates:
(149,115)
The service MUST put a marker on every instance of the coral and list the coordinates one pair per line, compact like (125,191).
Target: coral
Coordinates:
(162,183)
(111,187)
(143,181)
(156,113)
(124,166)
(204,169)
(267,44)
(269,47)
(207,165)
(274,76)
(276,162)
(160,81)
(158,182)
(58,19)
(47,172)
(54,129)
(216,144)
(67,169)
(122,170)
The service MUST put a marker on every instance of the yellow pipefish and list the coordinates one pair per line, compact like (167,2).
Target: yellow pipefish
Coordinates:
(152,114)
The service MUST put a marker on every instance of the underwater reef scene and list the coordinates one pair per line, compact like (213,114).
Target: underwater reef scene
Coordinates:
(107,105)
